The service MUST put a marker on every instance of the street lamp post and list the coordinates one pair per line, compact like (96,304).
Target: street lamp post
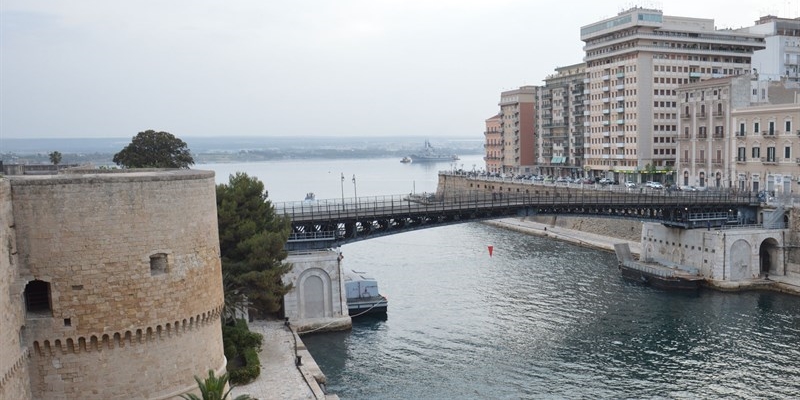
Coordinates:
(342,191)
(355,192)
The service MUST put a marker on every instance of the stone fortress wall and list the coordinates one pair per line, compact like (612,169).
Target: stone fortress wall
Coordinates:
(129,263)
(14,378)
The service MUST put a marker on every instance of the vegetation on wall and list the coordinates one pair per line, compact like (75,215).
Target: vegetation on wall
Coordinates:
(213,388)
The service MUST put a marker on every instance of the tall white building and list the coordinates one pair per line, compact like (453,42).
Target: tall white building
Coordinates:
(635,61)
(781,58)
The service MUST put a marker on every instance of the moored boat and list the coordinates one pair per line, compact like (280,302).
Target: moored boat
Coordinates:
(362,294)
(405,160)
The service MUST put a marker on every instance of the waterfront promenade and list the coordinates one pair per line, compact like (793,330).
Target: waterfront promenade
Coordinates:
(280,377)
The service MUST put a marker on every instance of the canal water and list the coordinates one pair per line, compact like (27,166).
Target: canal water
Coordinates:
(539,319)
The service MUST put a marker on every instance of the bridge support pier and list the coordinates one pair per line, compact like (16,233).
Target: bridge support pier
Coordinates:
(317,301)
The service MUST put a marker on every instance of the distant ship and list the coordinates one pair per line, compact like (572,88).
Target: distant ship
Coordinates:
(429,154)
(405,160)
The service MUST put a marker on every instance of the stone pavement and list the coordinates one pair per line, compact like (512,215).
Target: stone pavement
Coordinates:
(280,377)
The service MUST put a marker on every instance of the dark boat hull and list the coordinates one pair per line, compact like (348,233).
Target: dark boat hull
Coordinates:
(667,283)
(367,306)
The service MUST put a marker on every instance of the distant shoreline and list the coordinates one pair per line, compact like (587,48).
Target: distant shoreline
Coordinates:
(233,149)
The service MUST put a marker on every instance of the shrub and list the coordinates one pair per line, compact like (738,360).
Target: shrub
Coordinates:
(241,348)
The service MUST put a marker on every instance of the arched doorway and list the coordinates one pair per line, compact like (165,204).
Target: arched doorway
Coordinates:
(686,178)
(702,179)
(718,179)
(768,257)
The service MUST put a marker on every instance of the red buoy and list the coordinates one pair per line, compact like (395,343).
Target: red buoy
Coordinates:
(491,249)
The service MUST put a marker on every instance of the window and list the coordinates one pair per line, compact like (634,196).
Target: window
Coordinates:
(770,154)
(37,297)
(787,152)
(756,152)
(788,126)
(741,153)
(771,127)
(756,127)
(741,129)
(158,264)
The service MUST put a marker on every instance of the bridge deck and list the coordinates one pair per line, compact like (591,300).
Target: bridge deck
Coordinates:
(324,223)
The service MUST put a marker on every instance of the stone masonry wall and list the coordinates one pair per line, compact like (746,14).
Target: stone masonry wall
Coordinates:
(14,380)
(119,327)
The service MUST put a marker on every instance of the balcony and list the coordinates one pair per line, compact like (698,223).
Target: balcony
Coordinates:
(700,161)
(719,135)
(606,100)
(702,135)
(742,160)
(619,87)
(606,134)
(768,133)
(620,75)
(606,77)
(741,134)
(768,160)
(694,75)
(606,112)
(620,98)
(716,162)
(606,88)
(606,123)
(620,121)
(620,144)
(718,114)
(620,110)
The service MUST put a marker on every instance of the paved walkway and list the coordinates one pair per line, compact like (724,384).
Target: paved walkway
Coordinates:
(568,235)
(280,379)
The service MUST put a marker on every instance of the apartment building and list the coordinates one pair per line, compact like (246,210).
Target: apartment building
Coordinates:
(705,154)
(781,57)
(767,145)
(493,145)
(560,122)
(635,62)
(518,130)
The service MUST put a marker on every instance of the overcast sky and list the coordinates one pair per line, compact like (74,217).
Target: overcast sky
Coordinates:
(100,68)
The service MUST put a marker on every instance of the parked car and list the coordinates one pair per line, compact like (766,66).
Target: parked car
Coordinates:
(688,188)
(630,185)
(605,181)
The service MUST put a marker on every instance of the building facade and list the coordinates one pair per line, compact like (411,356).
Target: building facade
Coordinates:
(518,130)
(111,284)
(493,145)
(705,156)
(781,58)
(767,148)
(560,127)
(635,61)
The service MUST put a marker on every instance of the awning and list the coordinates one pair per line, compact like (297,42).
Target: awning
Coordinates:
(558,160)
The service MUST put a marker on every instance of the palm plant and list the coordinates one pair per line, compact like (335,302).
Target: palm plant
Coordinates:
(213,388)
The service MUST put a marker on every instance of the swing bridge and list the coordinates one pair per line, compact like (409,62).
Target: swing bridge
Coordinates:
(320,224)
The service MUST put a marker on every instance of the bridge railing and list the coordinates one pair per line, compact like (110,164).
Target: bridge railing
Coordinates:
(368,207)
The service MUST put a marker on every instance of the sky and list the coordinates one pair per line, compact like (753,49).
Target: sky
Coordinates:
(435,68)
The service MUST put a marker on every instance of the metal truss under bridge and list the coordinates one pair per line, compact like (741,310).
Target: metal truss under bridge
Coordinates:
(330,223)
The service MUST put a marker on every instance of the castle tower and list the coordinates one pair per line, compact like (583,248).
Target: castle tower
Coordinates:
(119,279)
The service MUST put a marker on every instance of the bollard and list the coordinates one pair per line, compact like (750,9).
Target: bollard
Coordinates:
(299,361)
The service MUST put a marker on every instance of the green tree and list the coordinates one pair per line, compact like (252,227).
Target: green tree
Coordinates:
(213,388)
(55,157)
(251,240)
(151,149)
